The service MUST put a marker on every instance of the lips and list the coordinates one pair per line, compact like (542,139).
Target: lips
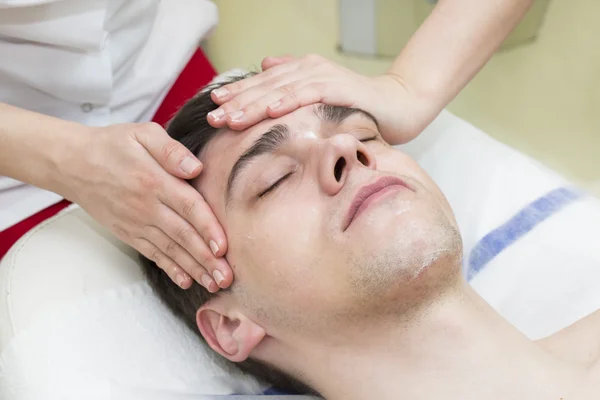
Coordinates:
(367,194)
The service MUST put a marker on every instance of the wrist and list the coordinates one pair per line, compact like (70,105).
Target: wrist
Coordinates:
(422,102)
(417,109)
(35,148)
(64,159)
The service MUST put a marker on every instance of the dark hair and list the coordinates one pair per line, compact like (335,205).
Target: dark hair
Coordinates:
(190,127)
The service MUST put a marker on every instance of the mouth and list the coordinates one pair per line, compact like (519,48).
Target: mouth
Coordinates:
(370,194)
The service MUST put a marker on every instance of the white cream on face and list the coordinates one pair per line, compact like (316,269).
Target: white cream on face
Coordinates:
(308,135)
(429,258)
(403,207)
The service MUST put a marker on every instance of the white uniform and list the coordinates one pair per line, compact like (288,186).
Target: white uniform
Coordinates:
(98,62)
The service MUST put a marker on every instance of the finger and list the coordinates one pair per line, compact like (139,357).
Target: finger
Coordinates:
(310,94)
(176,254)
(163,262)
(253,103)
(270,62)
(249,107)
(181,258)
(199,258)
(227,92)
(184,200)
(256,110)
(174,157)
(235,96)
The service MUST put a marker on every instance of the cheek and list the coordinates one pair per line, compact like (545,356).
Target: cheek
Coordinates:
(278,246)
(402,164)
(285,265)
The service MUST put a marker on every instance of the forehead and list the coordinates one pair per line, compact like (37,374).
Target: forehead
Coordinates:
(228,145)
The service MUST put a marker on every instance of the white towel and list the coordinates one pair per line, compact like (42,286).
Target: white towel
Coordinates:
(549,276)
(124,339)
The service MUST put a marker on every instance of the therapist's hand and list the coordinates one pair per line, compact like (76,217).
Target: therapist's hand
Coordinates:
(130,178)
(288,83)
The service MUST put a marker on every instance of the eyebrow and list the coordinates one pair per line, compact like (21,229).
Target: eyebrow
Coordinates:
(337,114)
(273,139)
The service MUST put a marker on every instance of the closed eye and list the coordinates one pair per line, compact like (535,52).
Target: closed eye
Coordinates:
(274,186)
(369,139)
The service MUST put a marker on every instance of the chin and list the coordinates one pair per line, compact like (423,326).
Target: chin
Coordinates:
(406,255)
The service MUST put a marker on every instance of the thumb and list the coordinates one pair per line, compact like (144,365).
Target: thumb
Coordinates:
(174,157)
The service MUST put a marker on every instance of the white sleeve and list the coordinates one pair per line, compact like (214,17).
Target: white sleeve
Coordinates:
(24,3)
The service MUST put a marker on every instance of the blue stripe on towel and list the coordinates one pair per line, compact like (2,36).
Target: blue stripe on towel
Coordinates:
(524,221)
(274,392)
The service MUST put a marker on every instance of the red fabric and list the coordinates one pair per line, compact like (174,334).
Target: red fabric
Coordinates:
(10,235)
(196,74)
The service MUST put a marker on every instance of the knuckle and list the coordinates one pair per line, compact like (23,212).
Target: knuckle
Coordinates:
(313,58)
(153,127)
(293,97)
(156,256)
(274,82)
(172,249)
(182,236)
(235,87)
(188,207)
(287,89)
(148,181)
(270,73)
(169,149)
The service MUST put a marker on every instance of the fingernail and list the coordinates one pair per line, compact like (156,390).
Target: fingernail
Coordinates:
(218,277)
(236,115)
(220,92)
(206,281)
(214,247)
(189,164)
(180,280)
(275,105)
(216,114)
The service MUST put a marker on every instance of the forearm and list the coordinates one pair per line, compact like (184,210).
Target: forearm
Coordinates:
(451,46)
(34,147)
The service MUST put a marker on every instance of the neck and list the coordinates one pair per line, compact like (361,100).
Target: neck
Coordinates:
(458,348)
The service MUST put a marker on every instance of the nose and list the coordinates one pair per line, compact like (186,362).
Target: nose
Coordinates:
(341,154)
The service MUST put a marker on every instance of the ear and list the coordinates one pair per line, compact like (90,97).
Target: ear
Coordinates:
(228,331)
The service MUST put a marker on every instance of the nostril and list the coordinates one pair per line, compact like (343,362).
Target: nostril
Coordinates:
(362,158)
(339,168)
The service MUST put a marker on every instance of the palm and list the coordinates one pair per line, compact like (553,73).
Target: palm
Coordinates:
(389,102)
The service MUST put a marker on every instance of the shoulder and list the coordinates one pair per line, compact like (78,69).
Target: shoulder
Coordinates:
(579,342)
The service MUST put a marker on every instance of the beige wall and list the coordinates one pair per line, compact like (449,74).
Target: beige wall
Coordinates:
(542,98)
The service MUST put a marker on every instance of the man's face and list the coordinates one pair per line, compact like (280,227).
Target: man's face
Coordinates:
(326,223)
